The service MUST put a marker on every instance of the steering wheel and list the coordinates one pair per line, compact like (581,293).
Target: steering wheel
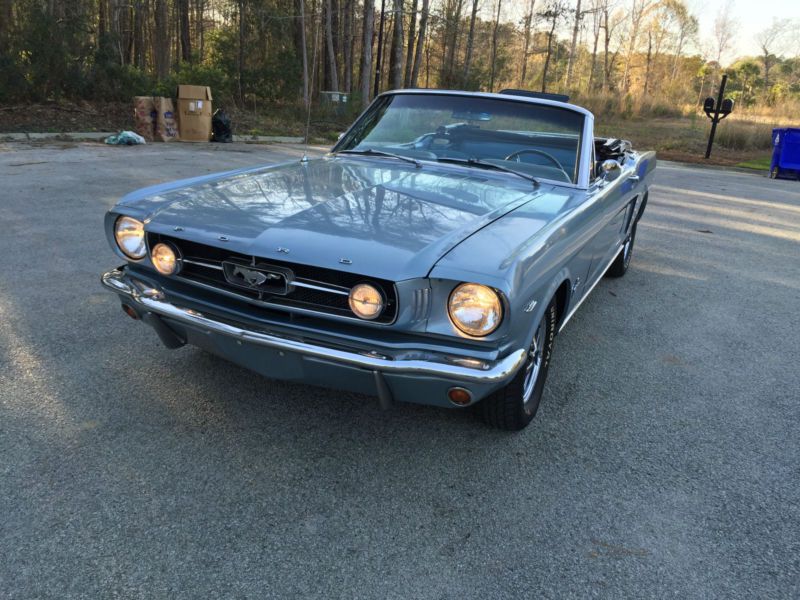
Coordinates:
(550,157)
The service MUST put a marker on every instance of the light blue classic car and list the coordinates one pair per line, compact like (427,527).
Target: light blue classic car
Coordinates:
(432,256)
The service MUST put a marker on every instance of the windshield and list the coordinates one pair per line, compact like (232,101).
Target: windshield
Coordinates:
(536,139)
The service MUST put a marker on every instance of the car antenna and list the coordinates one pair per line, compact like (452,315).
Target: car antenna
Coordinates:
(311,89)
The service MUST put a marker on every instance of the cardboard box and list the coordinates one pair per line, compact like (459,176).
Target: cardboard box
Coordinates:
(194,113)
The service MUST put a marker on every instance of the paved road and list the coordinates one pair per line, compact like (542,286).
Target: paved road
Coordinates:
(664,461)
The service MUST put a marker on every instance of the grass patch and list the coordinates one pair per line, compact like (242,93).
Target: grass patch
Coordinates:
(761,164)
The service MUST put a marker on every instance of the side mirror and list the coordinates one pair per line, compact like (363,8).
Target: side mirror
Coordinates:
(340,136)
(610,170)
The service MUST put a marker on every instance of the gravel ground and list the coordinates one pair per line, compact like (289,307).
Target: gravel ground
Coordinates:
(663,462)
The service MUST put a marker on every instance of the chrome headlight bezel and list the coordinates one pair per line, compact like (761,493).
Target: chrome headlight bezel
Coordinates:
(485,300)
(134,232)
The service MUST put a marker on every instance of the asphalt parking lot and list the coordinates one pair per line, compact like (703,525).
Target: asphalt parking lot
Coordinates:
(664,460)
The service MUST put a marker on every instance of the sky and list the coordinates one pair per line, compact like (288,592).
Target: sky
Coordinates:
(752,16)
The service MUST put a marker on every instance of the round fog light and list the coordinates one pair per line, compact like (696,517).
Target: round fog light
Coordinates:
(165,259)
(459,396)
(366,301)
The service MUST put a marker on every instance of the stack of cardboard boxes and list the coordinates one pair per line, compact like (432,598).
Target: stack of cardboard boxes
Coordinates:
(156,118)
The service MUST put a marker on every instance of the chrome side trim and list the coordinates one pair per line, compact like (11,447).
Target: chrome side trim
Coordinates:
(433,364)
(589,291)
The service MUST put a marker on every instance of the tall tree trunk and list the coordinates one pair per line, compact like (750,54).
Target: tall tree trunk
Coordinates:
(396,62)
(423,24)
(303,48)
(386,53)
(412,27)
(186,39)
(200,25)
(102,20)
(550,35)
(348,45)
(161,41)
(677,57)
(606,46)
(240,61)
(494,45)
(574,45)
(470,42)
(366,51)
(139,20)
(450,40)
(526,44)
(333,75)
(6,26)
(649,62)
(379,57)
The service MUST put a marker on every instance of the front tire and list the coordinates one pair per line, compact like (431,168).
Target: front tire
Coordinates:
(514,406)
(620,265)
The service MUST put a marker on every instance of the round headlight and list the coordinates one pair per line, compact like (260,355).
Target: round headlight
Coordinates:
(475,309)
(129,234)
(165,259)
(366,301)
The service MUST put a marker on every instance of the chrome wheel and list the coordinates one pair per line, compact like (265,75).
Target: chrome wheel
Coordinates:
(534,364)
(626,250)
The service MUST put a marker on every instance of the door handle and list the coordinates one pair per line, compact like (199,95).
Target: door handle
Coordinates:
(633,178)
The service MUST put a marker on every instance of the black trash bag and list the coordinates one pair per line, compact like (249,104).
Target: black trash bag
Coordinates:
(221,127)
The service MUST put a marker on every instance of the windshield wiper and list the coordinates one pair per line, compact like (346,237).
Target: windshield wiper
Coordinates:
(478,162)
(373,152)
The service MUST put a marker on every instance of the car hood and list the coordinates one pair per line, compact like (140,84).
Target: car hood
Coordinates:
(378,217)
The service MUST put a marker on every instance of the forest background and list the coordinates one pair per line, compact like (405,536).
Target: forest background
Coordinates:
(642,66)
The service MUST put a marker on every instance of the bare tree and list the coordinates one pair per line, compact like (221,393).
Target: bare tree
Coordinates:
(494,45)
(240,58)
(348,45)
(423,23)
(301,35)
(379,57)
(186,38)
(554,11)
(366,51)
(333,71)
(451,21)
(576,24)
(725,28)
(527,25)
(161,41)
(638,10)
(597,26)
(470,42)
(610,23)
(396,59)
(688,27)
(412,32)
(770,40)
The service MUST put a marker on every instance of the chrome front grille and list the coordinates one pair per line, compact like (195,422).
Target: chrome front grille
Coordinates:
(310,288)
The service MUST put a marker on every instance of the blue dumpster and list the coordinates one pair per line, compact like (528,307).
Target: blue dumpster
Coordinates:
(785,153)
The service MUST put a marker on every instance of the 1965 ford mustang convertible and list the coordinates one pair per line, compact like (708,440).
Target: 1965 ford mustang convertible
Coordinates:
(432,256)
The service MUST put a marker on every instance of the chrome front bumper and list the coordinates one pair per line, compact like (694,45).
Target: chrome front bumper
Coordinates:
(149,300)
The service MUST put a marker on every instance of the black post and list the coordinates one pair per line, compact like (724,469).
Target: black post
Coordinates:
(715,119)
(379,57)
